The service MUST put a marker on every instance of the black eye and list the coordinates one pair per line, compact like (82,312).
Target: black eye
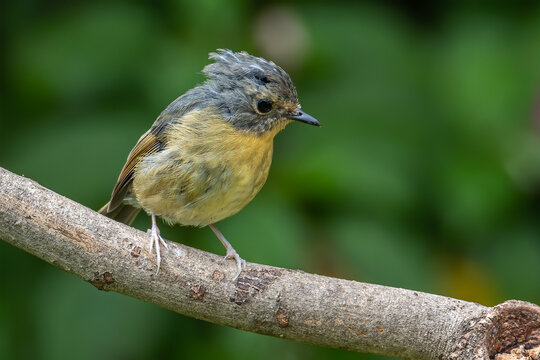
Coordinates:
(264,106)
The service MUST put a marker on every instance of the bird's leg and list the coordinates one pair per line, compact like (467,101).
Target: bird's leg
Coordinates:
(231,253)
(156,239)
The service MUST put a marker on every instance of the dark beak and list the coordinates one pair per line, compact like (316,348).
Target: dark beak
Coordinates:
(305,118)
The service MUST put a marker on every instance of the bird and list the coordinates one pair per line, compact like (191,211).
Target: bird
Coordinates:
(209,152)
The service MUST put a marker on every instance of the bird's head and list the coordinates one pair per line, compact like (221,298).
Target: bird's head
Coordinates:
(255,95)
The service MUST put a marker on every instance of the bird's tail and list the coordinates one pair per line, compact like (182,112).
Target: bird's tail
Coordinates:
(124,213)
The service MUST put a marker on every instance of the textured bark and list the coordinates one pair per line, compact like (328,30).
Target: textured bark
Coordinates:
(285,303)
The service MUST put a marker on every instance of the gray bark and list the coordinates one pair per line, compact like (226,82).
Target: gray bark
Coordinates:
(284,303)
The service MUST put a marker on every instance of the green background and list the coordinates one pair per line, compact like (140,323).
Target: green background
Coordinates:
(425,174)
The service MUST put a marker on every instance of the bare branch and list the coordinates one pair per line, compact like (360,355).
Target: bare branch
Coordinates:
(279,302)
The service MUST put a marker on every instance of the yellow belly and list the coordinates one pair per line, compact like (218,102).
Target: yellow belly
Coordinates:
(208,171)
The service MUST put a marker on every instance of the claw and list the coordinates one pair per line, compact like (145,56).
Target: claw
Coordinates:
(240,263)
(231,253)
(155,240)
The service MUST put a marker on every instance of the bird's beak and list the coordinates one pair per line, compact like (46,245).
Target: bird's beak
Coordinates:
(305,118)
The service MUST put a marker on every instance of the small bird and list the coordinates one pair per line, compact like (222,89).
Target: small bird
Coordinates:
(209,152)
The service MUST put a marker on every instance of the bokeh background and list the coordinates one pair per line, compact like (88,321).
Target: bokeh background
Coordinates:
(425,174)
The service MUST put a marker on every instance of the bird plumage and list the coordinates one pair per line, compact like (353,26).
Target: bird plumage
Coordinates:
(209,152)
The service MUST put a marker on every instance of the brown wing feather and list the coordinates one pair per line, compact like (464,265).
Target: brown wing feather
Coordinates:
(147,144)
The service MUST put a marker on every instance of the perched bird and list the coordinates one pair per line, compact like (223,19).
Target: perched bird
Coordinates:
(208,153)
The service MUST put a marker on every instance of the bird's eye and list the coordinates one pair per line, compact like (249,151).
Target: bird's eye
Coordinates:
(264,106)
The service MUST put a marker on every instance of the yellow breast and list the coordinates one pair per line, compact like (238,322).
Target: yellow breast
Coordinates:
(208,171)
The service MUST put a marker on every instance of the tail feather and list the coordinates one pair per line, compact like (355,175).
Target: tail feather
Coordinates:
(124,213)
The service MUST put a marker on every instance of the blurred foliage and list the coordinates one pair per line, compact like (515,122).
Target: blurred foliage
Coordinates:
(424,175)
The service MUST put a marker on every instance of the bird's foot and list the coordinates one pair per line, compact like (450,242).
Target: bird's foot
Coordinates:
(156,240)
(240,263)
(231,253)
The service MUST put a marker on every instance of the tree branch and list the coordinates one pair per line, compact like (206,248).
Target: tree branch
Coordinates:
(268,300)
